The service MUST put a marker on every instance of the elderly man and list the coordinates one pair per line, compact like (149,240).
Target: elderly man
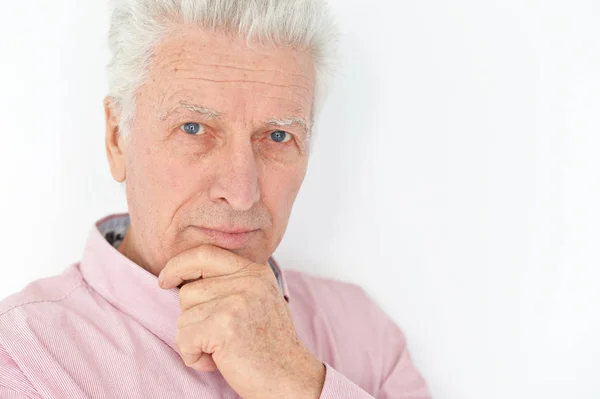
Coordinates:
(208,124)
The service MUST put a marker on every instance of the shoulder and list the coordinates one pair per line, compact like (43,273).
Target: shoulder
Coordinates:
(48,290)
(26,316)
(302,284)
(341,303)
(344,326)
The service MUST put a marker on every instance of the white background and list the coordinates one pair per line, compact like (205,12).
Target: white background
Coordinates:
(455,177)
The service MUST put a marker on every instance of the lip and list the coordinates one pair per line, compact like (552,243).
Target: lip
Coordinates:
(232,239)
(237,230)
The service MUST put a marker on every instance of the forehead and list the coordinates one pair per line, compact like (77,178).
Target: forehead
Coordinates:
(221,72)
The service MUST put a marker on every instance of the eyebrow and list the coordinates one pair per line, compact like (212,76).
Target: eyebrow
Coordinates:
(206,112)
(211,114)
(290,122)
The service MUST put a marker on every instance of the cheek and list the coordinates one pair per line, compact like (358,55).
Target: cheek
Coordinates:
(279,195)
(281,186)
(159,174)
(153,169)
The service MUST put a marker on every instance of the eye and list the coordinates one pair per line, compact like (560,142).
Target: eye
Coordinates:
(280,136)
(192,128)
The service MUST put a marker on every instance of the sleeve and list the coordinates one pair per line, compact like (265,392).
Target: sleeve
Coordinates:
(13,383)
(396,379)
(339,387)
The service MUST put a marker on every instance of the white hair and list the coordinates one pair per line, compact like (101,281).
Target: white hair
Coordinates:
(137,25)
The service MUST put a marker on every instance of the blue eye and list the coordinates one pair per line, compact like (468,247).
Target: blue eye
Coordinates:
(280,136)
(192,128)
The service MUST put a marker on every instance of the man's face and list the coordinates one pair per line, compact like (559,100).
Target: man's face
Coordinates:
(208,149)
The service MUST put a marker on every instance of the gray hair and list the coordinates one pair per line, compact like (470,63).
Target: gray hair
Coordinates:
(137,25)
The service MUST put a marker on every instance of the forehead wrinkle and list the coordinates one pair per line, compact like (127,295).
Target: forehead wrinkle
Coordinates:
(233,56)
(299,97)
(195,73)
(270,83)
(239,68)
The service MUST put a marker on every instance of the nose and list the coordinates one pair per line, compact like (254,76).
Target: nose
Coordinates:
(237,176)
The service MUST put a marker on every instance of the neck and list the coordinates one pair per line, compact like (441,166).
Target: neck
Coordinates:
(128,249)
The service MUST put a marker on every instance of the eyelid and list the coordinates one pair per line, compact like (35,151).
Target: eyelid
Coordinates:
(282,130)
(297,132)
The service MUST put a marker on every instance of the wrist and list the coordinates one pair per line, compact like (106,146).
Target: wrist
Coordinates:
(310,378)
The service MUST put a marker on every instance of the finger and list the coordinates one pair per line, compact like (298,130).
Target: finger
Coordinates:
(189,345)
(195,339)
(204,363)
(203,261)
(206,290)
(198,313)
(199,361)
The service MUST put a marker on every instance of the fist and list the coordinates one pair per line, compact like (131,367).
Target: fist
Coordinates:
(235,319)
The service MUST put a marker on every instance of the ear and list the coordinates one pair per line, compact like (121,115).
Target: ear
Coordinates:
(114,141)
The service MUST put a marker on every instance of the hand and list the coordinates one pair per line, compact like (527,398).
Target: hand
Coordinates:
(235,318)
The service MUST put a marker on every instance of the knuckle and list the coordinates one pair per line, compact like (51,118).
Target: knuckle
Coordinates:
(183,343)
(204,253)
(238,303)
(225,320)
(187,290)
(188,317)
(183,291)
(197,312)
(175,265)
(197,341)
(187,294)
(183,300)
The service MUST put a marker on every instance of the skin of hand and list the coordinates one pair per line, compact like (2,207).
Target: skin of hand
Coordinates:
(235,319)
